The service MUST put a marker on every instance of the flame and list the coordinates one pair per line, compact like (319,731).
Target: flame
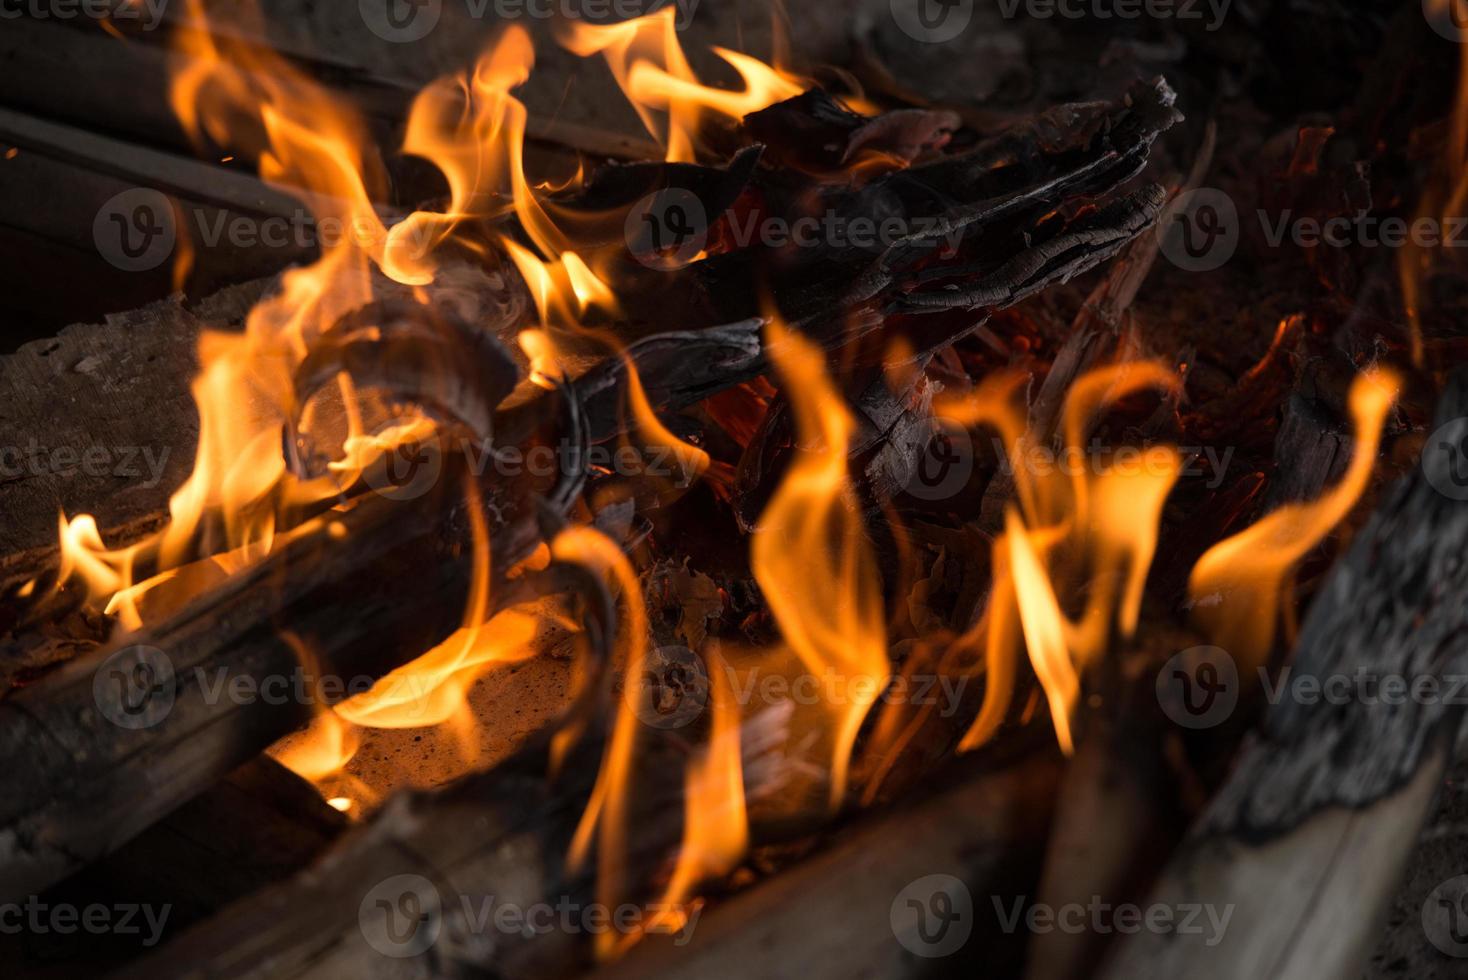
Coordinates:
(1240,586)
(715,820)
(1044,627)
(607,809)
(431,690)
(1082,527)
(810,557)
(648,63)
(1444,193)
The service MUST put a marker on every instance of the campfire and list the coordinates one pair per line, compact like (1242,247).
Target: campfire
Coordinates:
(632,497)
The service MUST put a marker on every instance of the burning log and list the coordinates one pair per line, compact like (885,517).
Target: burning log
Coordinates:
(502,836)
(857,907)
(1307,839)
(92,765)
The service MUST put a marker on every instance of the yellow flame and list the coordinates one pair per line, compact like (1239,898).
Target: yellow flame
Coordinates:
(1085,526)
(606,812)
(813,564)
(715,821)
(648,62)
(1240,585)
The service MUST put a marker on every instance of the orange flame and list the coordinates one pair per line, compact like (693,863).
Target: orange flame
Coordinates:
(647,61)
(810,557)
(1240,586)
(1083,527)
(715,821)
(607,809)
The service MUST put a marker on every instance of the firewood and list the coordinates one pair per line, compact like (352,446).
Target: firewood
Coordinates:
(844,911)
(82,783)
(1307,839)
(503,835)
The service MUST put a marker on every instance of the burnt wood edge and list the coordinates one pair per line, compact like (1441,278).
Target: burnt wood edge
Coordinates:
(1305,843)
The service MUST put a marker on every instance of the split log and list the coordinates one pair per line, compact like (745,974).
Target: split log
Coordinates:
(257,826)
(869,905)
(390,582)
(1307,839)
(501,837)
(83,780)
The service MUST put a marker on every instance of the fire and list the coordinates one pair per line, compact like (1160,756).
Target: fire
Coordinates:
(1069,567)
(1083,527)
(605,818)
(1444,194)
(647,60)
(230,93)
(1240,587)
(811,559)
(715,821)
